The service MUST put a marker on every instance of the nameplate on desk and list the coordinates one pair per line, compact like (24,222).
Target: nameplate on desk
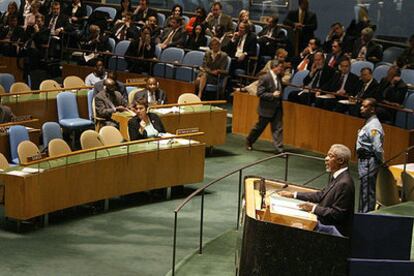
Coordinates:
(36,157)
(187,130)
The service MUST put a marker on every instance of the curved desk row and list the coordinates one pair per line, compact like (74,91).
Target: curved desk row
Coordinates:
(88,176)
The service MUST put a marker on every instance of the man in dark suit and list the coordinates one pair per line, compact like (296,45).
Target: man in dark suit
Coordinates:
(367,88)
(175,35)
(125,30)
(271,38)
(143,12)
(304,23)
(215,18)
(13,34)
(109,101)
(242,46)
(337,54)
(365,49)
(152,94)
(270,92)
(334,204)
(120,87)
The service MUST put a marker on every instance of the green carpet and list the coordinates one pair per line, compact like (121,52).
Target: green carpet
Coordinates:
(135,236)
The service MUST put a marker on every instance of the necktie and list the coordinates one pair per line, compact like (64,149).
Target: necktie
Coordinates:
(168,40)
(301,16)
(342,81)
(362,91)
(315,80)
(332,62)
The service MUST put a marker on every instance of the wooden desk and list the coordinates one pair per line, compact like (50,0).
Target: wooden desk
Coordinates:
(172,88)
(34,135)
(101,174)
(208,119)
(317,129)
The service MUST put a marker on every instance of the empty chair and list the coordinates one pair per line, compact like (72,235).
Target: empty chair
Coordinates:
(109,10)
(161,19)
(112,44)
(73,81)
(386,188)
(110,136)
(358,65)
(6,80)
(90,139)
(188,98)
(184,73)
(68,114)
(407,75)
(297,79)
(50,131)
(391,54)
(49,85)
(4,164)
(171,55)
(407,186)
(218,89)
(58,147)
(27,149)
(19,87)
(380,72)
(122,47)
(17,134)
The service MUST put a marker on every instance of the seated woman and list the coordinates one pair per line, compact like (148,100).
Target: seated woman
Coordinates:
(199,18)
(144,124)
(197,38)
(244,17)
(177,10)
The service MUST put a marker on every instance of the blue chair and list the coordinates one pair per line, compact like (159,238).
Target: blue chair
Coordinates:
(297,79)
(358,65)
(5,3)
(157,51)
(122,47)
(208,40)
(89,10)
(17,134)
(380,72)
(403,119)
(6,80)
(112,43)
(109,10)
(186,19)
(172,55)
(218,88)
(90,107)
(161,19)
(257,28)
(189,74)
(117,64)
(50,131)
(391,54)
(68,114)
(407,75)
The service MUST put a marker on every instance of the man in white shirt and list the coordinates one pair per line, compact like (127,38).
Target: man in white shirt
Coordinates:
(96,76)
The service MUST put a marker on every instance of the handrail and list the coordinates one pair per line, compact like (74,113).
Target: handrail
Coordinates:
(14,123)
(45,91)
(111,146)
(217,102)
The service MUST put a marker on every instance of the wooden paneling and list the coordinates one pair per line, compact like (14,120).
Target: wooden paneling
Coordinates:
(9,65)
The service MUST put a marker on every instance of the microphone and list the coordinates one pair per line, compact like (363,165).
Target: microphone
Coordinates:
(262,191)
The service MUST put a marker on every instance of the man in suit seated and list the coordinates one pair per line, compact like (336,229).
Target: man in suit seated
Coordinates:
(343,83)
(152,94)
(215,18)
(336,55)
(109,101)
(367,88)
(6,114)
(269,91)
(120,87)
(58,24)
(337,32)
(175,35)
(271,38)
(125,30)
(334,204)
(143,12)
(13,34)
(365,49)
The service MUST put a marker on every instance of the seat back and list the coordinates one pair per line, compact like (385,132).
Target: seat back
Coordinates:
(110,136)
(19,87)
(26,149)
(89,10)
(407,186)
(407,75)
(391,54)
(157,51)
(111,11)
(4,164)
(58,147)
(117,64)
(386,188)
(186,19)
(297,79)
(49,84)
(90,139)
(402,119)
(67,106)
(188,74)
(161,19)
(257,28)
(188,98)
(121,47)
(17,134)
(131,95)
(50,131)
(73,81)
(358,65)
(112,43)
(380,72)
(172,54)
(6,80)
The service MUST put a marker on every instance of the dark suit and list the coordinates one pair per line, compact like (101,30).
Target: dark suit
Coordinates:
(6,114)
(16,34)
(134,125)
(373,53)
(178,39)
(56,45)
(269,44)
(160,96)
(335,61)
(270,111)
(143,15)
(311,24)
(249,48)
(391,93)
(138,49)
(122,32)
(105,106)
(224,20)
(99,86)
(335,203)
(80,14)
(362,93)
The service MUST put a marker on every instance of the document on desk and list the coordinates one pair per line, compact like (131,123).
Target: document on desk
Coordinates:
(32,170)
(287,206)
(163,111)
(18,173)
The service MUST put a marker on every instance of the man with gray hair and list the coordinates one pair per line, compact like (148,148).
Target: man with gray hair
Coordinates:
(365,49)
(269,92)
(334,204)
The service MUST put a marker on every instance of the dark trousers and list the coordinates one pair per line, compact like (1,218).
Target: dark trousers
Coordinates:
(367,170)
(276,128)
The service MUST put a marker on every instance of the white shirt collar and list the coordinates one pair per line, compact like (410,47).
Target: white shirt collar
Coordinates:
(338,172)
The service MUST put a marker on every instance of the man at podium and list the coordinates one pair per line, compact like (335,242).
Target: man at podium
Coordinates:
(334,204)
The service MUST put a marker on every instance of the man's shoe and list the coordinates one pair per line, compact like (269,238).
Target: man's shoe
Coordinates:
(249,146)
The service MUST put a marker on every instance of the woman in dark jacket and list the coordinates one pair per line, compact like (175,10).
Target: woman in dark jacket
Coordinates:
(144,124)
(197,38)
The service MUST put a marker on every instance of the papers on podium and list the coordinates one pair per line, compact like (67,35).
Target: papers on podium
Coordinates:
(288,207)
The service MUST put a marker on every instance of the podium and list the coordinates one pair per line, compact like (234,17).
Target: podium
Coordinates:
(276,242)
